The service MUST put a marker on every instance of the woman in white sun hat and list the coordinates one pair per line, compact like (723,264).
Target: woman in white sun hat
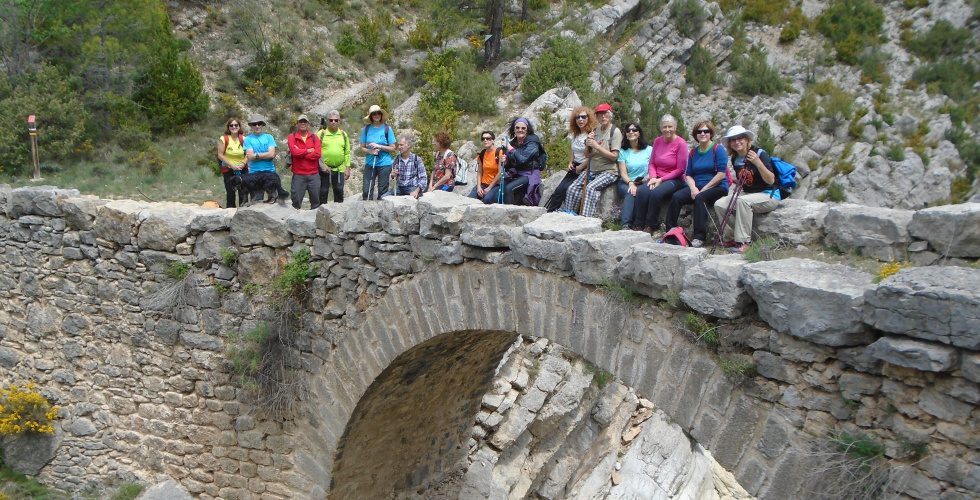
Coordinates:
(759,195)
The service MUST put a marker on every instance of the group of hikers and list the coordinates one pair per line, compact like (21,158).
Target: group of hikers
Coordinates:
(647,176)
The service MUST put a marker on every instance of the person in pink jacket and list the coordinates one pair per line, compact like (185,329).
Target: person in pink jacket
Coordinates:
(667,165)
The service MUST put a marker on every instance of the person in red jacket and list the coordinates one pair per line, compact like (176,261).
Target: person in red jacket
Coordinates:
(304,146)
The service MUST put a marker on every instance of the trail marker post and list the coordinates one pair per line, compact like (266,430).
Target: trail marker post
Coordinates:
(32,130)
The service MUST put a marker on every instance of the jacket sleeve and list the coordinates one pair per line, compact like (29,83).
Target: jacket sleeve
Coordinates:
(526,154)
(346,150)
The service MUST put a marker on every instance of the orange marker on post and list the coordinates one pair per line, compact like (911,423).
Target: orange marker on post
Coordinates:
(32,130)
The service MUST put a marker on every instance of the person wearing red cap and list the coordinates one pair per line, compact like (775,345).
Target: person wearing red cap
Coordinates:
(603,166)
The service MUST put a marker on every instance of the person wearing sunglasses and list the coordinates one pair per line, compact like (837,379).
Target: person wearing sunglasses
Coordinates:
(335,162)
(754,168)
(706,179)
(633,165)
(581,125)
(525,159)
(603,169)
(489,165)
(231,155)
(260,150)
(666,171)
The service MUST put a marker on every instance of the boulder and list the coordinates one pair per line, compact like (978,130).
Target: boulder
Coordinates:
(953,230)
(444,252)
(543,244)
(28,453)
(80,211)
(797,222)
(441,213)
(302,224)
(916,354)
(118,220)
(209,245)
(257,266)
(164,227)
(400,215)
(612,16)
(491,226)
(330,217)
(930,303)
(363,216)
(713,287)
(654,269)
(262,224)
(38,200)
(881,233)
(211,219)
(814,301)
(167,490)
(595,256)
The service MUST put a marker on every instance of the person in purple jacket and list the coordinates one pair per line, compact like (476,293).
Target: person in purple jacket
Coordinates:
(666,169)
(706,178)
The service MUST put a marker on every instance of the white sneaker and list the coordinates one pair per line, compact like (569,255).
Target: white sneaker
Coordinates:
(696,243)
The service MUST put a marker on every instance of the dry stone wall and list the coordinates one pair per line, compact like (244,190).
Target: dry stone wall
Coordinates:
(145,392)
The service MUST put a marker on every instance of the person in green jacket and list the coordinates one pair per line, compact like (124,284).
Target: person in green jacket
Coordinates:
(335,162)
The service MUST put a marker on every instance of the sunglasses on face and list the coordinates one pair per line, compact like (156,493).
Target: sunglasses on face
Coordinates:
(333,120)
(256,124)
(486,138)
(582,117)
(520,128)
(702,131)
(632,130)
(377,113)
(233,125)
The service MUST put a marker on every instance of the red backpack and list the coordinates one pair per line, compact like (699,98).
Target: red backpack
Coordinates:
(241,140)
(676,236)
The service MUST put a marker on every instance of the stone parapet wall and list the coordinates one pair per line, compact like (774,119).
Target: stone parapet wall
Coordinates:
(146,393)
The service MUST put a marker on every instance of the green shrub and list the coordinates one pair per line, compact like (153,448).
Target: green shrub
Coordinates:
(701,71)
(229,256)
(563,62)
(804,116)
(771,12)
(63,121)
(851,25)
(620,291)
(245,353)
(765,139)
(622,98)
(127,491)
(835,192)
(795,25)
(737,367)
(755,76)
(423,37)
(896,152)
(653,108)
(177,270)
(702,330)
(477,90)
(872,64)
(600,377)
(943,39)
(295,274)
(955,78)
(762,249)
(272,70)
(171,92)
(689,17)
(227,106)
(859,446)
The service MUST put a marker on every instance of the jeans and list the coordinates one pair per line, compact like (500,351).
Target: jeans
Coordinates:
(231,192)
(628,202)
(402,191)
(511,188)
(382,173)
(649,202)
(335,179)
(302,184)
(702,201)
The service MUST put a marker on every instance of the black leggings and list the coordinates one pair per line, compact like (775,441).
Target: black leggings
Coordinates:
(558,197)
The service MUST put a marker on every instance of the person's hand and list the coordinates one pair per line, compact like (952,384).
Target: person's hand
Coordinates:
(346,174)
(695,192)
(632,189)
(480,191)
(751,156)
(571,167)
(417,193)
(309,150)
(394,173)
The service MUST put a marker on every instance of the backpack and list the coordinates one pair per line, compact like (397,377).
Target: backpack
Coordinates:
(462,172)
(714,160)
(785,176)
(676,236)
(542,157)
(241,140)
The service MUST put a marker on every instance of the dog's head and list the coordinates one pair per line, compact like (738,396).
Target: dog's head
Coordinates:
(236,181)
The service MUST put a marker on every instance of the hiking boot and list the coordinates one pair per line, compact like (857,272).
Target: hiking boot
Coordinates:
(696,243)
(627,227)
(741,247)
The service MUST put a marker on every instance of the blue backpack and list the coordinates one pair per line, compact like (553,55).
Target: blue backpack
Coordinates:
(785,176)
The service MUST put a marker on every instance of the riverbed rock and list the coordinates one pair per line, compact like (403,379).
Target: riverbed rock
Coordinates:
(930,303)
(811,300)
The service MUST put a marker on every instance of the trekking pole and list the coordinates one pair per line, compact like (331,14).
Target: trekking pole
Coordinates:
(370,193)
(32,130)
(737,190)
(500,185)
(585,185)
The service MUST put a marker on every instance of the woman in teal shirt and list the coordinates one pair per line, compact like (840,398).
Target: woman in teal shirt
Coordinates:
(633,163)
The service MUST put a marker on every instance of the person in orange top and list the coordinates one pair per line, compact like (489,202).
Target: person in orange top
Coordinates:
(304,146)
(489,162)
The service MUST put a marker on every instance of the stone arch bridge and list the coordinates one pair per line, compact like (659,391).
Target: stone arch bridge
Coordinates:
(417,302)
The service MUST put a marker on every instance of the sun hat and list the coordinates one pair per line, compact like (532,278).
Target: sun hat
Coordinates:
(256,118)
(736,131)
(602,108)
(373,109)
(302,118)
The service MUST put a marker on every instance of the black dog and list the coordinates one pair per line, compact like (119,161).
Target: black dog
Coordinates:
(261,182)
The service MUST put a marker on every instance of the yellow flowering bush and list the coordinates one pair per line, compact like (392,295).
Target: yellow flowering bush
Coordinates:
(22,409)
(888,269)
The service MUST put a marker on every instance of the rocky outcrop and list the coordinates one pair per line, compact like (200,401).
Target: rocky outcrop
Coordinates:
(952,230)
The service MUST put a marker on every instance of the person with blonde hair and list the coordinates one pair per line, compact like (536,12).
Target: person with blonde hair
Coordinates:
(581,125)
(379,144)
(602,167)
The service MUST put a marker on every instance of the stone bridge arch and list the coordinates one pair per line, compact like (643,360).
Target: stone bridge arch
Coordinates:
(639,345)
